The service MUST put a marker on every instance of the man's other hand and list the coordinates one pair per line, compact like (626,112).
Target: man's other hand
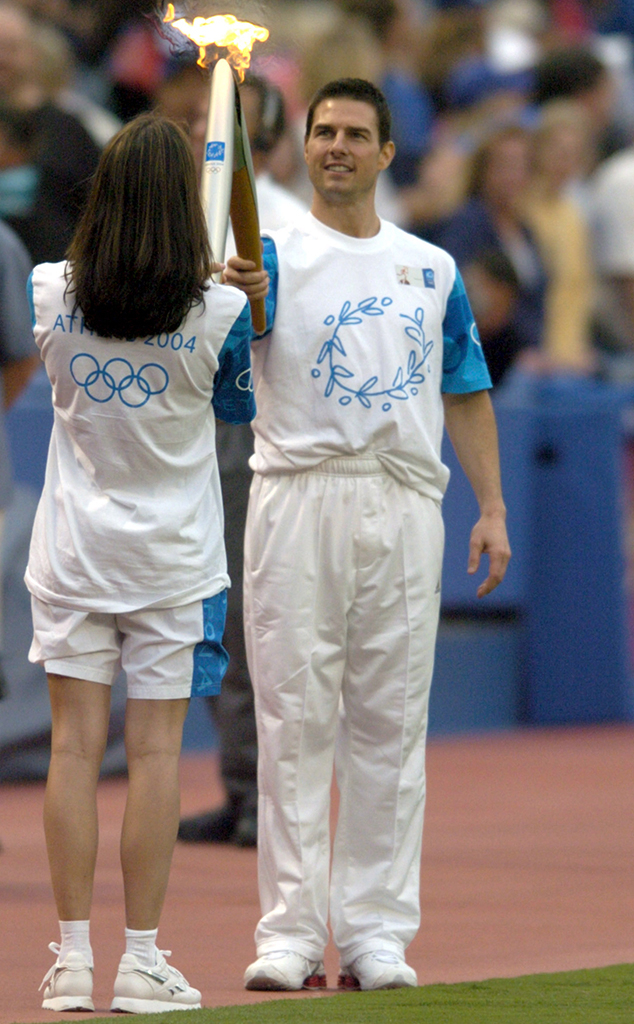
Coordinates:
(245,276)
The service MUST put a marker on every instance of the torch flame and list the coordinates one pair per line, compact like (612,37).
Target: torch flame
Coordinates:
(222,30)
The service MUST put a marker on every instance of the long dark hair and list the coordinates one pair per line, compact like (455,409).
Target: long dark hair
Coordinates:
(140,258)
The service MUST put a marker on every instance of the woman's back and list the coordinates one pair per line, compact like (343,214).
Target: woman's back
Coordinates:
(132,486)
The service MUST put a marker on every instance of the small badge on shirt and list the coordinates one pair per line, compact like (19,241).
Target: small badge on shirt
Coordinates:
(419,278)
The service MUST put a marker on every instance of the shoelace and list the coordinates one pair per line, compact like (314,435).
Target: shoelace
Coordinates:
(165,953)
(174,976)
(54,948)
(385,957)
(279,954)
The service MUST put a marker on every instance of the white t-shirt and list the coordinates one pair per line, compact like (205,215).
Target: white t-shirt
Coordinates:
(131,514)
(366,334)
(612,221)
(277,207)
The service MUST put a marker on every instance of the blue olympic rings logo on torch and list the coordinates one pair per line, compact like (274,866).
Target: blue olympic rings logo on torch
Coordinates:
(118,377)
(215,152)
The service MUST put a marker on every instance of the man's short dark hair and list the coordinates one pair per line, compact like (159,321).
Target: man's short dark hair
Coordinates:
(354,89)
(567,72)
(380,15)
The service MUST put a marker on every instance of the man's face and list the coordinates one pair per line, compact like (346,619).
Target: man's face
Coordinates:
(343,153)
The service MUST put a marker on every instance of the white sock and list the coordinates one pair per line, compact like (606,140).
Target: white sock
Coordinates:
(142,945)
(75,939)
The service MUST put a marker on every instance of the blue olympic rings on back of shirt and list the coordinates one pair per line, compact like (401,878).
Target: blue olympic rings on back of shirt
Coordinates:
(118,377)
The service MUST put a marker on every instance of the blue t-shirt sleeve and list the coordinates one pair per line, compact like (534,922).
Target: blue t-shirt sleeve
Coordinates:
(233,399)
(29,296)
(271,265)
(464,366)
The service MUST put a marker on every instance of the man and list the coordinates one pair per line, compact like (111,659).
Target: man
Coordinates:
(612,214)
(576,73)
(236,820)
(18,356)
(343,550)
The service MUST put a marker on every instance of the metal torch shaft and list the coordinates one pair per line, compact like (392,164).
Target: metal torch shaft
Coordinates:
(217,174)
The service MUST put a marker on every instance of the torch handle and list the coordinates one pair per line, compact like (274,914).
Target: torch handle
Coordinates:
(246,231)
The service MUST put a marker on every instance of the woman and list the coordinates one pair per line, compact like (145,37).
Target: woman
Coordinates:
(127,566)
(561,151)
(492,223)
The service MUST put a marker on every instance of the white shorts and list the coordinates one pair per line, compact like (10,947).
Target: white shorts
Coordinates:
(167,653)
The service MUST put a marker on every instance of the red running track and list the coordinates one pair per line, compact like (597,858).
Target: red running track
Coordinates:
(528,866)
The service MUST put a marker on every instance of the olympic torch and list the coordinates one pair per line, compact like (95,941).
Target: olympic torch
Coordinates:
(228,180)
(217,175)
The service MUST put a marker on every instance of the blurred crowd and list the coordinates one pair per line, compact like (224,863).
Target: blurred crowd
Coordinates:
(513,121)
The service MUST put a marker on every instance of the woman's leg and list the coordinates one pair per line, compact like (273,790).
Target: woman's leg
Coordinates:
(145,983)
(153,734)
(80,714)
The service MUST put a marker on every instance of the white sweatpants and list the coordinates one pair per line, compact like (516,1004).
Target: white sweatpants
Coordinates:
(342,594)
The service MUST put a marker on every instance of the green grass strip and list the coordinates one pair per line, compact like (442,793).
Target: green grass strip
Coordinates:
(601,996)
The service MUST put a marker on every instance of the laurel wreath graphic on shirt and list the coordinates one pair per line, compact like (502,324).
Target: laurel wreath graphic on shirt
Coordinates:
(406,379)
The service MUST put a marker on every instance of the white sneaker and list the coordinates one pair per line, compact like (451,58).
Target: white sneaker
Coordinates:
(158,989)
(379,969)
(284,971)
(68,984)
